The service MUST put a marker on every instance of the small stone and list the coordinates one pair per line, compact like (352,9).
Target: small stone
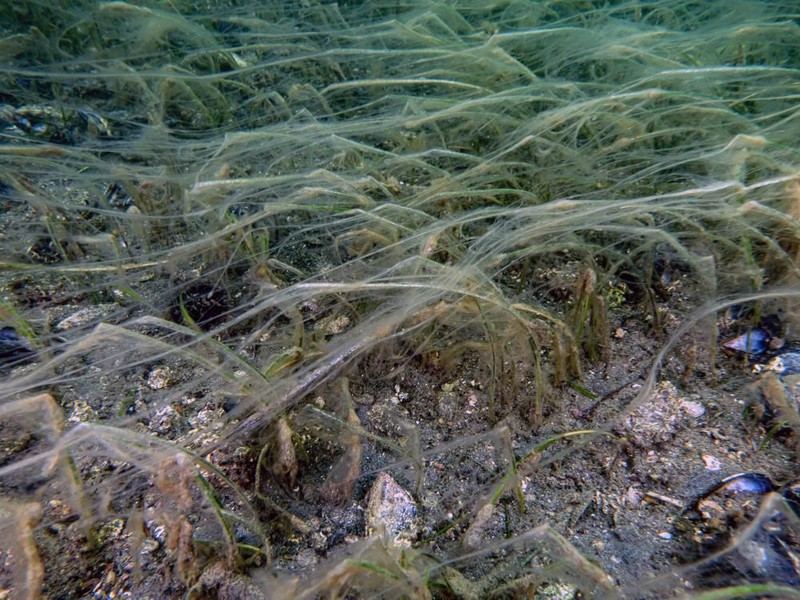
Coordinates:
(163,420)
(110,531)
(693,409)
(556,590)
(82,412)
(665,535)
(159,378)
(207,416)
(306,558)
(333,325)
(391,509)
(658,419)
(776,343)
(84,316)
(364,399)
(633,496)
(712,463)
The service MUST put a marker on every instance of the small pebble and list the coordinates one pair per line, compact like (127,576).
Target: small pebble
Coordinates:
(159,378)
(712,463)
(693,409)
(84,316)
(633,496)
(391,509)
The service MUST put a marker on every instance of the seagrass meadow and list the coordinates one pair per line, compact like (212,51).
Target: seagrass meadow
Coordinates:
(420,299)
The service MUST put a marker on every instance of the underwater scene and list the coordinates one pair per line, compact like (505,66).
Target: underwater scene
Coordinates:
(426,299)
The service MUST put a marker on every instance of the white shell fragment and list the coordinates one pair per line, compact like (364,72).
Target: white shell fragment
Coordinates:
(391,510)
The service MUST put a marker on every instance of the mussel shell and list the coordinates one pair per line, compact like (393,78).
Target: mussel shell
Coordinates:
(730,547)
(13,347)
(751,483)
(755,484)
(754,342)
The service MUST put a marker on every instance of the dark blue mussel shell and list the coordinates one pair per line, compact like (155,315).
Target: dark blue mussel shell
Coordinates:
(769,552)
(755,341)
(739,484)
(746,483)
(13,347)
